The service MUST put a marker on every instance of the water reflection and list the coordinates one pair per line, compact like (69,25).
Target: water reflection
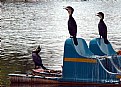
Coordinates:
(27,25)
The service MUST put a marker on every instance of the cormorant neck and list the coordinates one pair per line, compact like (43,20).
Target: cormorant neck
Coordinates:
(70,15)
(101,19)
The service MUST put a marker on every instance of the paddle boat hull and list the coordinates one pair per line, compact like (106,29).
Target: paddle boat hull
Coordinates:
(23,79)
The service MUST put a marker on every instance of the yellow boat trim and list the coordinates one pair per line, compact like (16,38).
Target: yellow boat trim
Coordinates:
(118,76)
(80,60)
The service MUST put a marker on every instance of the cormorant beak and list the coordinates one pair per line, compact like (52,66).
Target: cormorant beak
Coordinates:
(65,8)
(97,14)
(100,16)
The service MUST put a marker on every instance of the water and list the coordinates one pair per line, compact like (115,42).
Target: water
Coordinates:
(24,26)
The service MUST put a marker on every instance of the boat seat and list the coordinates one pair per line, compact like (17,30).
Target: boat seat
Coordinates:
(98,47)
(82,48)
(73,51)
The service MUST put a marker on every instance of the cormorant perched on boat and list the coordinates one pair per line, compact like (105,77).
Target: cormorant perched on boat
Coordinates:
(72,26)
(37,59)
(102,28)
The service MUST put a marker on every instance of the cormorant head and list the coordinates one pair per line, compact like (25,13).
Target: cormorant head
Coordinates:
(38,49)
(70,10)
(101,15)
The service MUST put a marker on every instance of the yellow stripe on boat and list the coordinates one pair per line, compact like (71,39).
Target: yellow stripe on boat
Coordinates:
(118,76)
(80,60)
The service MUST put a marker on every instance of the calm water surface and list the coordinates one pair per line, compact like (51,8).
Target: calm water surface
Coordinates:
(26,25)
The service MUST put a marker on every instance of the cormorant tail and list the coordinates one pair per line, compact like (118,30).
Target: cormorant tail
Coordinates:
(106,41)
(75,40)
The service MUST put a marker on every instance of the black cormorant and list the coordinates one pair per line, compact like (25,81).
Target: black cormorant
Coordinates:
(72,26)
(37,59)
(102,28)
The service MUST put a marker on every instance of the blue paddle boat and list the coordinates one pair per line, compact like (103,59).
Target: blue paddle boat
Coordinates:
(81,65)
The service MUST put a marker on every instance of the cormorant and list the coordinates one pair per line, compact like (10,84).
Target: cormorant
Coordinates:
(102,28)
(37,59)
(72,26)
